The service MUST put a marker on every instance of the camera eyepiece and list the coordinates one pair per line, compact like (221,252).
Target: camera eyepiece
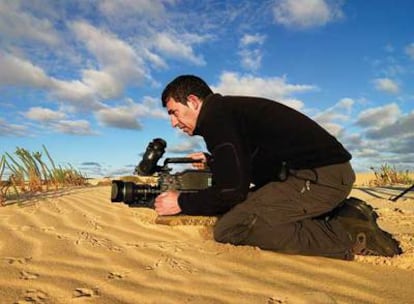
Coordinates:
(153,153)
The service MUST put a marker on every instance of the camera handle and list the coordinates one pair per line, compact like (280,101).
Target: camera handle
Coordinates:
(181,160)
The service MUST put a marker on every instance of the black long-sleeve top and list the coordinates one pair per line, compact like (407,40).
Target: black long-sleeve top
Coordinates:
(248,139)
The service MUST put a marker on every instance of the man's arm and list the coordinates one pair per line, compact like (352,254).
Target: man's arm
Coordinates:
(199,156)
(230,183)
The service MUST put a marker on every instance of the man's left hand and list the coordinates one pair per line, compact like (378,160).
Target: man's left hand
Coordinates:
(167,203)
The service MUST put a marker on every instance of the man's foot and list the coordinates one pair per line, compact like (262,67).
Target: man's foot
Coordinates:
(360,221)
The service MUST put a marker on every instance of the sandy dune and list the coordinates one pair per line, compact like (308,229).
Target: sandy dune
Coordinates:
(77,247)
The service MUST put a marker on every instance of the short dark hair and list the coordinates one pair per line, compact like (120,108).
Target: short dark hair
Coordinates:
(184,85)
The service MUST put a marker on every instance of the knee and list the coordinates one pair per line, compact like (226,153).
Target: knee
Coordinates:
(235,232)
(219,237)
(222,233)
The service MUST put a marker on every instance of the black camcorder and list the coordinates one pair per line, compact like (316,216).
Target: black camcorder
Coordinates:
(141,194)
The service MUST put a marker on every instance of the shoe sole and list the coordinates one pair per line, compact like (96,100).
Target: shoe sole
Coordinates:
(388,246)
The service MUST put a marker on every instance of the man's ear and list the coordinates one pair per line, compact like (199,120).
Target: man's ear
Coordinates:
(193,102)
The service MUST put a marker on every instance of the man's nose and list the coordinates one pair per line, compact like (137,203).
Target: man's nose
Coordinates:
(174,121)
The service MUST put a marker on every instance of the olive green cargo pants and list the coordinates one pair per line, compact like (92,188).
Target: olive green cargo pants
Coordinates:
(290,216)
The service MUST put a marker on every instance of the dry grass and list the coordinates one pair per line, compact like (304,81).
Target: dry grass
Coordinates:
(387,175)
(30,174)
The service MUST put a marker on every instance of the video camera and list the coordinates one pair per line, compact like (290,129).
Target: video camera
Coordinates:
(136,194)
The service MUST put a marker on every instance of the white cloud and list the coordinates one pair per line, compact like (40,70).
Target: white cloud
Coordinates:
(120,66)
(249,39)
(155,59)
(16,24)
(55,121)
(114,56)
(333,116)
(400,128)
(150,107)
(369,153)
(334,129)
(387,137)
(275,88)
(44,114)
(179,47)
(251,59)
(386,85)
(127,116)
(17,71)
(251,55)
(292,102)
(380,116)
(304,14)
(409,50)
(80,96)
(102,83)
(137,8)
(189,145)
(339,112)
(9,129)
(120,117)
(73,127)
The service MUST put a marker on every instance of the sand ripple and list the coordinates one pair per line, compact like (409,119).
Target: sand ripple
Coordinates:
(77,247)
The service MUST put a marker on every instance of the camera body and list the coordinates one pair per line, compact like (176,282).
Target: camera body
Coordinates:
(136,194)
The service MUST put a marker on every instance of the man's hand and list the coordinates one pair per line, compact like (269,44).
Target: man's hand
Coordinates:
(199,156)
(167,203)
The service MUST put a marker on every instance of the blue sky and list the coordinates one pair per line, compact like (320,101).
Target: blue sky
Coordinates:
(84,78)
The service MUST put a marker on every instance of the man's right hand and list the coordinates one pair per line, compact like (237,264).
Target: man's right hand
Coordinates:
(199,156)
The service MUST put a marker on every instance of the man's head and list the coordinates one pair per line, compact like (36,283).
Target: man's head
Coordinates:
(183,99)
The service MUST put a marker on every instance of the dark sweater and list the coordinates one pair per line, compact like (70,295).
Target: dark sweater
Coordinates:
(248,139)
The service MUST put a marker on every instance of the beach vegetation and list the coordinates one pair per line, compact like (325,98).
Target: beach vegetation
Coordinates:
(29,173)
(389,175)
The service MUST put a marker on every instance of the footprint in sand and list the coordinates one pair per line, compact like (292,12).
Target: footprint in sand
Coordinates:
(25,275)
(117,275)
(86,292)
(14,260)
(315,297)
(174,264)
(49,229)
(95,241)
(33,296)
(22,228)
(93,221)
(276,300)
(63,237)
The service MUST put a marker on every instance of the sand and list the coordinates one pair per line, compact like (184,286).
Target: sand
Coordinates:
(77,247)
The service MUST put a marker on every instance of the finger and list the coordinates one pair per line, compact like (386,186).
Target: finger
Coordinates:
(158,209)
(160,197)
(196,155)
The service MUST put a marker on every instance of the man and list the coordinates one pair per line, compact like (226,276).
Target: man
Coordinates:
(301,177)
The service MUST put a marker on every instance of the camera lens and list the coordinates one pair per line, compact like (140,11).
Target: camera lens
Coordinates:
(117,194)
(133,194)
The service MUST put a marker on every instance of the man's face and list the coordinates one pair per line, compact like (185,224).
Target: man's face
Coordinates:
(183,116)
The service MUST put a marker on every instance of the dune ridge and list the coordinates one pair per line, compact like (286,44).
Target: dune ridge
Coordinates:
(78,247)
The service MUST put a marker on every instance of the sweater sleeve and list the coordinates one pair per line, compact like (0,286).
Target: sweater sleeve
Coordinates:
(230,171)
(228,189)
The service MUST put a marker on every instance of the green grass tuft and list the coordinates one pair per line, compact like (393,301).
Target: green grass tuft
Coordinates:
(30,174)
